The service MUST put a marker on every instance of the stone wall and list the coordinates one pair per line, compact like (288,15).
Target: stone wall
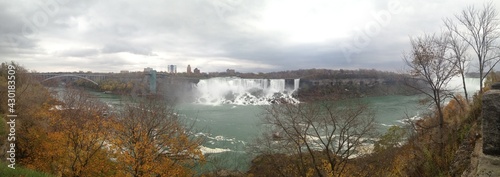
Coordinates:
(491,121)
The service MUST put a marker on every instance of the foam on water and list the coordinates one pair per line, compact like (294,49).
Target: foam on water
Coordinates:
(207,150)
(234,90)
(218,144)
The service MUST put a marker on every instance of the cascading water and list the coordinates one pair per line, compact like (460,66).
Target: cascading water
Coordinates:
(296,84)
(233,90)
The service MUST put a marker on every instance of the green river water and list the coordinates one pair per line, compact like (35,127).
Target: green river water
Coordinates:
(228,128)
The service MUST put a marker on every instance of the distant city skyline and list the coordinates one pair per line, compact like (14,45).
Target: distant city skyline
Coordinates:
(247,36)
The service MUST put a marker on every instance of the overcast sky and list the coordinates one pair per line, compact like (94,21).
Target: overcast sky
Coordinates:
(213,35)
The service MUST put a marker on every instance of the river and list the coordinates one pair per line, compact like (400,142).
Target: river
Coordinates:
(229,128)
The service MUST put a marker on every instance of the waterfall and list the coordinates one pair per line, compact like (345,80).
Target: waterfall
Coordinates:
(277,85)
(233,90)
(296,85)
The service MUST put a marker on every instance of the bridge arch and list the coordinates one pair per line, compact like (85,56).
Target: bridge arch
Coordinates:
(70,75)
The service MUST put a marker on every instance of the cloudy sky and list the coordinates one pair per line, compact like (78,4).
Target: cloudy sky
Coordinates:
(213,35)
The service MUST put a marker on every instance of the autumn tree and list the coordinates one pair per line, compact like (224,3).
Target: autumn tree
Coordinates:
(59,137)
(479,28)
(151,140)
(30,99)
(30,94)
(71,137)
(85,127)
(428,61)
(492,78)
(319,137)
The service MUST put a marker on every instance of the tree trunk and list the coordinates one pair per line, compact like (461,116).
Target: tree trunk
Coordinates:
(481,67)
(440,116)
(465,88)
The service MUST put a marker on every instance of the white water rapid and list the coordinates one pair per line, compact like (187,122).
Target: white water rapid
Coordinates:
(234,90)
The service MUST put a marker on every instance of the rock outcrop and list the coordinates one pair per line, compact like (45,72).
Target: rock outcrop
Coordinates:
(491,122)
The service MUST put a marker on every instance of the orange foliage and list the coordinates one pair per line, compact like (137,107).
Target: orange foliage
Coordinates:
(150,141)
(453,112)
(69,142)
(79,139)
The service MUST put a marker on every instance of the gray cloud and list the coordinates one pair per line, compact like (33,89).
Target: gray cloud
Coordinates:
(117,47)
(115,35)
(79,53)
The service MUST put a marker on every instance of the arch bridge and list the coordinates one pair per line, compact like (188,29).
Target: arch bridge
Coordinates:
(89,77)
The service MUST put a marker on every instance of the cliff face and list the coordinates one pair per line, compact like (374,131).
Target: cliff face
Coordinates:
(312,88)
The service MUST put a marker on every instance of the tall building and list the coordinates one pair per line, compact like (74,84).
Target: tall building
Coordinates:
(196,71)
(189,69)
(172,69)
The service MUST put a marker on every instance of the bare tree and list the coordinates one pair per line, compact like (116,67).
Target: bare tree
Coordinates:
(429,61)
(458,48)
(479,29)
(319,136)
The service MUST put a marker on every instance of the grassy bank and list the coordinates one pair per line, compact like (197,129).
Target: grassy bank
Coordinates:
(5,171)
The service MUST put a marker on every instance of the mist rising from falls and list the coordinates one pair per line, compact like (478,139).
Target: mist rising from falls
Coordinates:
(233,90)
(472,85)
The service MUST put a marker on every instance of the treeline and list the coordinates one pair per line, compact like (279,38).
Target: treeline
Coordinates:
(334,74)
(123,83)
(324,74)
